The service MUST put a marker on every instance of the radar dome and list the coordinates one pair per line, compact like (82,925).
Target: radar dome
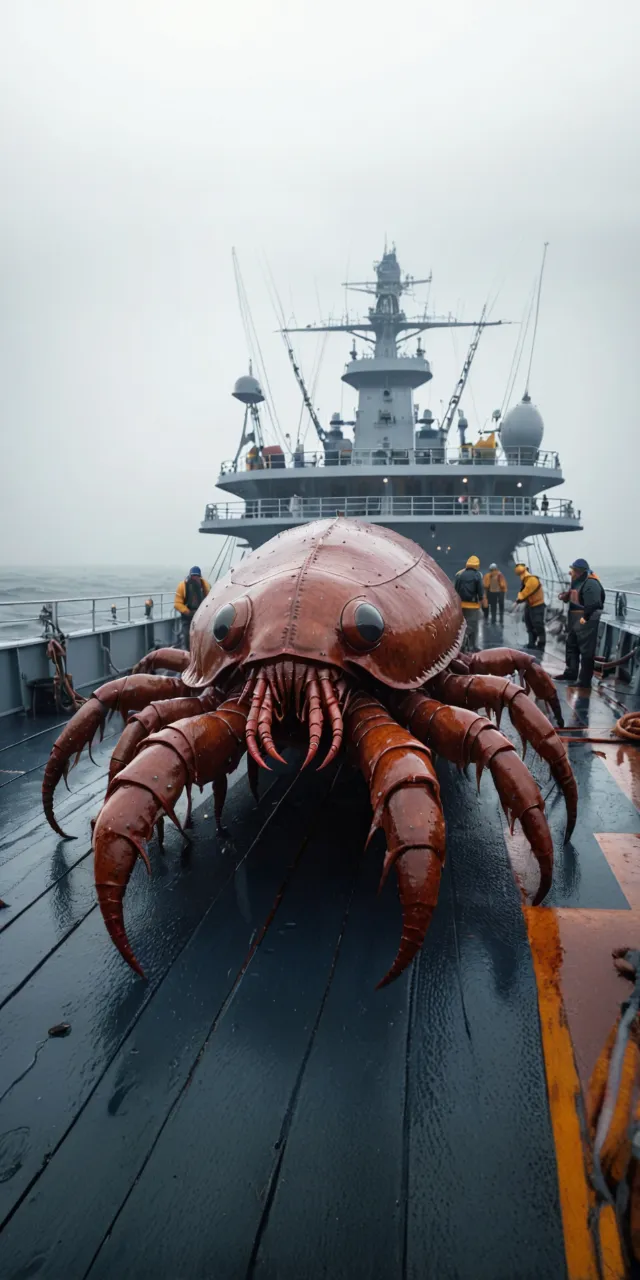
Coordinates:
(522,427)
(248,390)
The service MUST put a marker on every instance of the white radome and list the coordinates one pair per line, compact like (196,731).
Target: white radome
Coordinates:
(522,427)
(248,390)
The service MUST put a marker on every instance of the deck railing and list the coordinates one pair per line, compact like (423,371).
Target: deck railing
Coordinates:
(27,618)
(468,456)
(384,506)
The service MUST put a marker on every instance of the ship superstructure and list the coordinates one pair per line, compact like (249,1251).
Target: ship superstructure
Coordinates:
(399,469)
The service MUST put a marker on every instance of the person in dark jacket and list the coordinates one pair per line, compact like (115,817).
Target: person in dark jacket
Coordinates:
(469,585)
(586,597)
(189,596)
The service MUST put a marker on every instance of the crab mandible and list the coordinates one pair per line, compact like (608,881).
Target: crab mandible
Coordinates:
(338,626)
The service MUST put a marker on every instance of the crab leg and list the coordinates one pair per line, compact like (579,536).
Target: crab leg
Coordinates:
(503,662)
(533,726)
(405,797)
(129,693)
(152,718)
(465,737)
(191,751)
(167,659)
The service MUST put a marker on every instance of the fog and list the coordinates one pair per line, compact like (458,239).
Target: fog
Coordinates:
(142,140)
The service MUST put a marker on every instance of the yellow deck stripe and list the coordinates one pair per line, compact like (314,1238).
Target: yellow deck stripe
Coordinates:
(577,1199)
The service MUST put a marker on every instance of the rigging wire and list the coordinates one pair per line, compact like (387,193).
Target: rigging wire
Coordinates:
(280,316)
(253,343)
(535,324)
(517,354)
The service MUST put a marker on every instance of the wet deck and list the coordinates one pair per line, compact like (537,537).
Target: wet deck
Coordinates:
(257,1109)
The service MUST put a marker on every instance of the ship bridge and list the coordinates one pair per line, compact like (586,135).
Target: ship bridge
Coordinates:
(398,468)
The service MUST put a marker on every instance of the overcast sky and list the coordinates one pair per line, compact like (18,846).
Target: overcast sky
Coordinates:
(140,140)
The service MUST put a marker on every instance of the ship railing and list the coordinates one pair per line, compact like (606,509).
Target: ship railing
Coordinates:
(621,603)
(386,505)
(21,619)
(468,456)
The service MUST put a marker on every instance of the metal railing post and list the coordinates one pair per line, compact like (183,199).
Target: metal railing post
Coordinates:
(93,614)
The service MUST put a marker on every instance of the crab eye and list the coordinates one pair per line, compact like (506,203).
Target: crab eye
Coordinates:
(230,623)
(362,625)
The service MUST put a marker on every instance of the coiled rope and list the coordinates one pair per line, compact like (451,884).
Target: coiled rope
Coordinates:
(628,727)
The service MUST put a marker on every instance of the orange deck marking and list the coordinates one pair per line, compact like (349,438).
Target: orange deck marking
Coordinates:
(577,1199)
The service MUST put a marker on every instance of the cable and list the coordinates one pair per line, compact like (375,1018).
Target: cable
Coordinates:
(535,325)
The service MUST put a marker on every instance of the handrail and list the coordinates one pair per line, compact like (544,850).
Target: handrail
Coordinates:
(124,607)
(428,456)
(385,505)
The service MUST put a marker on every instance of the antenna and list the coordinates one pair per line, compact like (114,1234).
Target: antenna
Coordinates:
(535,323)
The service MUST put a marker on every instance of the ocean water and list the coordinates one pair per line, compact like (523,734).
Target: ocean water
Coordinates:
(139,582)
(126,587)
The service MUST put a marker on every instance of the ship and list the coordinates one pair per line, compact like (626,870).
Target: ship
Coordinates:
(485,497)
(256,1108)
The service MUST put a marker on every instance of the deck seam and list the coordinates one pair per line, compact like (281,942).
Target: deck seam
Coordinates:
(144,1005)
(255,943)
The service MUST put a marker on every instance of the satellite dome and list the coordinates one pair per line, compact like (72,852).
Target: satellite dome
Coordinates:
(522,427)
(248,390)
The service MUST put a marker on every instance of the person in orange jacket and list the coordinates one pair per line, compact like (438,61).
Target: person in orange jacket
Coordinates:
(189,596)
(495,586)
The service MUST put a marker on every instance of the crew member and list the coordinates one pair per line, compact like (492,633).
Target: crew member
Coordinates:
(495,585)
(470,587)
(531,596)
(189,596)
(586,597)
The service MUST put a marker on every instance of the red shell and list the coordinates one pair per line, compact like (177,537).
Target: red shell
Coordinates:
(297,586)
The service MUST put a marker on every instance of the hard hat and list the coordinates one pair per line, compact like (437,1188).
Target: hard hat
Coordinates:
(195,571)
(493,565)
(473,563)
(520,567)
(580,564)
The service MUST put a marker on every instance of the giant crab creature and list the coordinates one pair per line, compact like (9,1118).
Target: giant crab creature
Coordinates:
(333,627)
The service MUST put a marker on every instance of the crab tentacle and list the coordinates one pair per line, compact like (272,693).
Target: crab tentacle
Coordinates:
(197,750)
(503,662)
(167,659)
(129,693)
(405,796)
(264,726)
(332,705)
(152,718)
(464,737)
(252,720)
(315,717)
(533,726)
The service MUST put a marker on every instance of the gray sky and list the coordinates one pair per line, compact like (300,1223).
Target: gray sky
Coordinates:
(140,140)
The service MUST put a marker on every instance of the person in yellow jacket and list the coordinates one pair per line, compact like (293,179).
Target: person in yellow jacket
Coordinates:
(189,596)
(531,596)
(495,586)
